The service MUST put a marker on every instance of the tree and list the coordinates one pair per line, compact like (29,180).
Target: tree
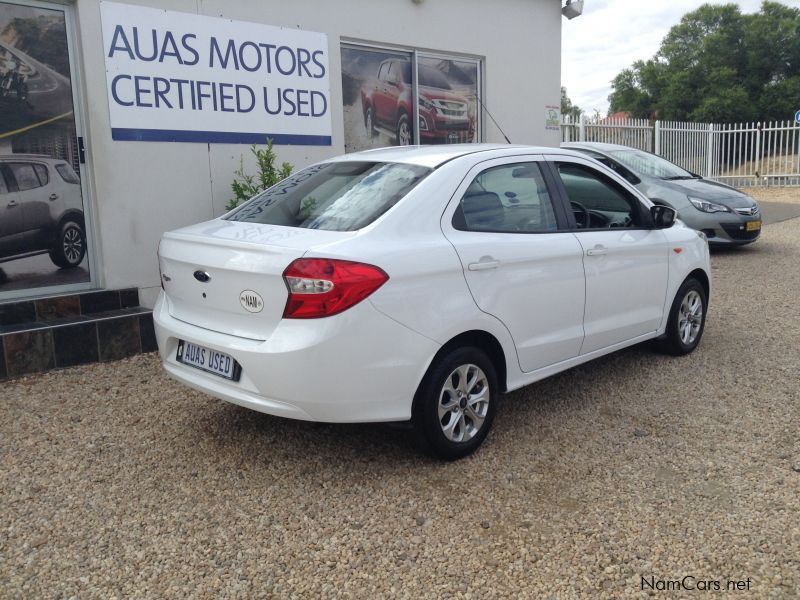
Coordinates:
(718,65)
(567,107)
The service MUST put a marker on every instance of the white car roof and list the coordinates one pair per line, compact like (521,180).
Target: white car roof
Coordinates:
(433,156)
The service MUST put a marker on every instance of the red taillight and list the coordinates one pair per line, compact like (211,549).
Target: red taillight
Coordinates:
(321,287)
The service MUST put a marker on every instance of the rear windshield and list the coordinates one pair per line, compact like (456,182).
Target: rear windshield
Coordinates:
(339,196)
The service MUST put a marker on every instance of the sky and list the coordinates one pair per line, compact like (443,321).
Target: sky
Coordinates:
(611,34)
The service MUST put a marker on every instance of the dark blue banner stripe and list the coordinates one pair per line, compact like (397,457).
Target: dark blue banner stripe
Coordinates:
(216,137)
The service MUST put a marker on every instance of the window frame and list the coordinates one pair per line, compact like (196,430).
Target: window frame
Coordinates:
(416,53)
(642,205)
(454,207)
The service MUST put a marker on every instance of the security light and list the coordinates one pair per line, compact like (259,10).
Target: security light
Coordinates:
(573,8)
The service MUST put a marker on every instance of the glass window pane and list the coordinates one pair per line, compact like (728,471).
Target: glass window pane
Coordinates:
(448,100)
(597,202)
(41,173)
(67,174)
(507,199)
(377,96)
(25,176)
(340,196)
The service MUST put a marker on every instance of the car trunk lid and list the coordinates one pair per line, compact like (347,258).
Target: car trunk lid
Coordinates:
(227,276)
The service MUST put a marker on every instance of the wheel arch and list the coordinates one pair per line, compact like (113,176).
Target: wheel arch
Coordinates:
(73,214)
(482,340)
(704,280)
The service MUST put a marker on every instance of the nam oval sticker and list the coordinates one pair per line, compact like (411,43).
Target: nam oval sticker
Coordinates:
(251,301)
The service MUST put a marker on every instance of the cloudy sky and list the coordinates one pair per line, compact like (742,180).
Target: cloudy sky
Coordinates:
(610,35)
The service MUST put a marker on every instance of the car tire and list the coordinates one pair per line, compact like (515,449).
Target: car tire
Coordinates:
(70,246)
(403,133)
(687,319)
(455,404)
(369,122)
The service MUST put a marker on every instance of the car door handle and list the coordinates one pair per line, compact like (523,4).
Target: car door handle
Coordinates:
(598,250)
(12,203)
(486,262)
(53,196)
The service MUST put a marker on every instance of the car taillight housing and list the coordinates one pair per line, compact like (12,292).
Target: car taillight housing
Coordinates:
(322,287)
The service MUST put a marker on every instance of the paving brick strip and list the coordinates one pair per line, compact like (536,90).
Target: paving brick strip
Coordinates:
(633,474)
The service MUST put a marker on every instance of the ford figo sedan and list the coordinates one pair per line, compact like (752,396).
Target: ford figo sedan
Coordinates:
(419,283)
(725,215)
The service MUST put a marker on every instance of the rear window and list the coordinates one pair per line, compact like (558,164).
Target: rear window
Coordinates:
(67,174)
(338,196)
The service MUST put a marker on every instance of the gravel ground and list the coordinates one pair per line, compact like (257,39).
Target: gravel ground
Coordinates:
(789,195)
(117,482)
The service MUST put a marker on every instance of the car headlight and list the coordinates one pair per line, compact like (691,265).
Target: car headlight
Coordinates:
(709,207)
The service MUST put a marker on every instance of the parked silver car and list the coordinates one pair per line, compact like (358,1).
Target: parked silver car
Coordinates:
(40,210)
(724,214)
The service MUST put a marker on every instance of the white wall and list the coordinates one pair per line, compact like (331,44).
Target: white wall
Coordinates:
(142,189)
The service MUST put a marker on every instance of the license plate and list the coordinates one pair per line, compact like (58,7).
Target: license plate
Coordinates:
(208,360)
(753,226)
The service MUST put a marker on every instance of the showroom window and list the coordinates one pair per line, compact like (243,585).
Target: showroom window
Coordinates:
(384,88)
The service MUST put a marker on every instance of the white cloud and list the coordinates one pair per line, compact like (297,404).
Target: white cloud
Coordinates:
(611,35)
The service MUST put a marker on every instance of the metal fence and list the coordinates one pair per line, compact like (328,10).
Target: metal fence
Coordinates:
(741,155)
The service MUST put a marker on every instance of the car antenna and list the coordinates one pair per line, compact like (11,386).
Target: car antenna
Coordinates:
(483,106)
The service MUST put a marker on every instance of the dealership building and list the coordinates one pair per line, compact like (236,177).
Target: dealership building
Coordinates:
(119,121)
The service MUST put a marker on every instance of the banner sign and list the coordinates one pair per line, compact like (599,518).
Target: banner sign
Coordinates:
(181,77)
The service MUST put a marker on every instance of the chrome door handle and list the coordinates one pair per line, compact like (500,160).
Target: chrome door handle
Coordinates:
(12,203)
(486,262)
(598,250)
(53,196)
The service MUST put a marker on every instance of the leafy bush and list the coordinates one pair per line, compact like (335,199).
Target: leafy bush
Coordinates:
(245,186)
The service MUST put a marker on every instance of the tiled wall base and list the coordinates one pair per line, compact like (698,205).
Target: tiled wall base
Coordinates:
(40,335)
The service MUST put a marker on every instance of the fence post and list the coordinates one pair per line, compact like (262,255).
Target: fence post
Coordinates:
(710,151)
(758,153)
(657,138)
(582,128)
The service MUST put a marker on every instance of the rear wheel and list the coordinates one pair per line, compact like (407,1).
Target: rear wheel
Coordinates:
(70,246)
(455,403)
(687,319)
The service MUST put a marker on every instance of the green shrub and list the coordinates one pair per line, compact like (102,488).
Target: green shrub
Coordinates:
(245,186)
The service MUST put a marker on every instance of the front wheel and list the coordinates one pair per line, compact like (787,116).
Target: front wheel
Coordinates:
(70,246)
(403,130)
(455,404)
(687,319)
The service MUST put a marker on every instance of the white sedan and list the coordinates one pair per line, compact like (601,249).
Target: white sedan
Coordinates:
(418,283)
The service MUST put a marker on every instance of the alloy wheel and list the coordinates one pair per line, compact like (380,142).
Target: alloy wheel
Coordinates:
(463,403)
(690,318)
(72,243)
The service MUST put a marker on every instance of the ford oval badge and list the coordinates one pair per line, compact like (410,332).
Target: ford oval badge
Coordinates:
(202,276)
(251,301)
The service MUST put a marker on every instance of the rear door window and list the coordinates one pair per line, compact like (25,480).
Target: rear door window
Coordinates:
(3,184)
(337,196)
(42,174)
(25,175)
(507,199)
(66,173)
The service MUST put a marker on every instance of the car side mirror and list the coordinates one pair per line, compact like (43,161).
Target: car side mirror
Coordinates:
(663,216)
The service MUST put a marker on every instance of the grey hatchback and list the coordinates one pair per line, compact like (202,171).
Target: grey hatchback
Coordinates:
(725,215)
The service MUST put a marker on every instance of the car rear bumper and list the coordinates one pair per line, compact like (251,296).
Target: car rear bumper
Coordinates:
(358,366)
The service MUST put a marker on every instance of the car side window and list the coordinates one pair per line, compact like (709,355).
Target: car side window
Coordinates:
(41,173)
(25,175)
(597,201)
(382,71)
(3,185)
(507,199)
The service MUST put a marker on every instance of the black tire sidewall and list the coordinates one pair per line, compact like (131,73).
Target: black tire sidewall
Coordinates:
(403,119)
(676,345)
(426,418)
